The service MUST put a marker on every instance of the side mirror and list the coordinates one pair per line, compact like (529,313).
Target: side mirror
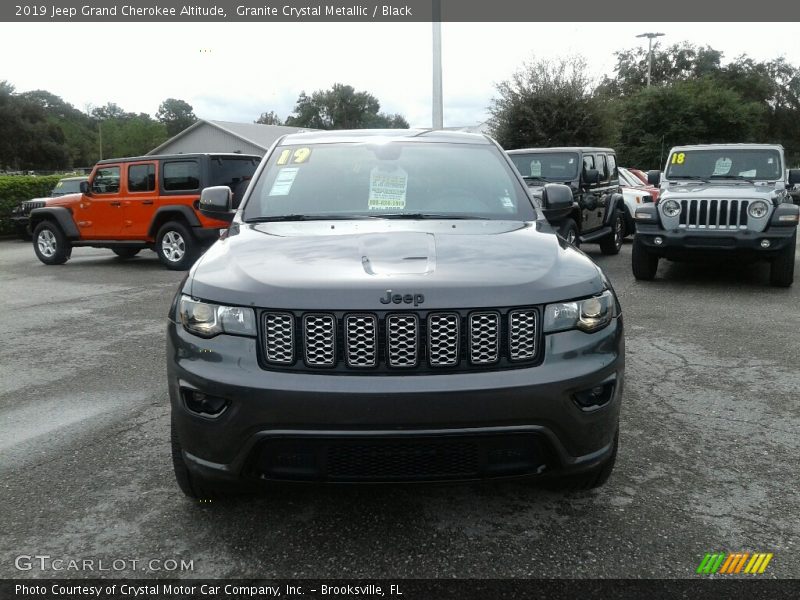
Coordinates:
(654,178)
(85,187)
(215,203)
(794,177)
(591,176)
(557,201)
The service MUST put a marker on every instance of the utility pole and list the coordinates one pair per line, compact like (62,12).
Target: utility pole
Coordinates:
(649,37)
(438,109)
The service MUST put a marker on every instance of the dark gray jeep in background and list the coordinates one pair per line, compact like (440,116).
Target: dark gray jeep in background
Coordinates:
(720,200)
(598,209)
(392,306)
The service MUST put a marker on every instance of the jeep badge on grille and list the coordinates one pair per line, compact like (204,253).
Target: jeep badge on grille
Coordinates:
(416,299)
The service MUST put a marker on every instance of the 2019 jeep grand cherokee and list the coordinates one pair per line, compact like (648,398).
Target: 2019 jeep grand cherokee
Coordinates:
(724,200)
(391,306)
(134,203)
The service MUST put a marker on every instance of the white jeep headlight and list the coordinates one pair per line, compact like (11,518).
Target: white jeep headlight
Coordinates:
(207,320)
(589,314)
(758,209)
(671,208)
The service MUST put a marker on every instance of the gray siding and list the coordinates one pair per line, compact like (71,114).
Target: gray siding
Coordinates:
(206,138)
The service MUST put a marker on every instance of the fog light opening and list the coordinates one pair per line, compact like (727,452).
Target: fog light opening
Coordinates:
(765,243)
(658,241)
(596,396)
(204,404)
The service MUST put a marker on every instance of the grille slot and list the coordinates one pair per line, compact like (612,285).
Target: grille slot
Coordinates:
(484,338)
(714,214)
(444,337)
(402,332)
(320,339)
(361,343)
(522,334)
(279,338)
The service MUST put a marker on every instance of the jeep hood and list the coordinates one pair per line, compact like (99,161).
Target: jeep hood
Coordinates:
(349,265)
(725,190)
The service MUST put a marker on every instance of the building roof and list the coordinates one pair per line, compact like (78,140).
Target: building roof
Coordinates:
(255,133)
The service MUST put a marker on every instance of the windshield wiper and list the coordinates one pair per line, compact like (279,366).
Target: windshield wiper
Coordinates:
(533,178)
(693,177)
(301,217)
(737,177)
(420,215)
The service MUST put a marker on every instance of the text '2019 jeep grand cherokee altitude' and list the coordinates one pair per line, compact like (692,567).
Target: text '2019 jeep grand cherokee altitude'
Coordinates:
(392,306)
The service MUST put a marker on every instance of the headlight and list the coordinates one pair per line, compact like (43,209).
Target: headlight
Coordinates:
(758,209)
(671,208)
(207,320)
(589,314)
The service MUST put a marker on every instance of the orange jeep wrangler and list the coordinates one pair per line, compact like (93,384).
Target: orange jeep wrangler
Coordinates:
(129,204)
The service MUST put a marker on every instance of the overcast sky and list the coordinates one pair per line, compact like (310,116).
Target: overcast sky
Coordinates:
(236,71)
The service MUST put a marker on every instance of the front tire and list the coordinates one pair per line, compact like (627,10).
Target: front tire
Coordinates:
(644,263)
(612,244)
(781,270)
(50,244)
(176,247)
(569,231)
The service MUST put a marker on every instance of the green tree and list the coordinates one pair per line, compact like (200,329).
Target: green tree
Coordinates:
(134,135)
(342,107)
(679,62)
(176,115)
(549,104)
(269,118)
(78,128)
(773,85)
(686,112)
(28,140)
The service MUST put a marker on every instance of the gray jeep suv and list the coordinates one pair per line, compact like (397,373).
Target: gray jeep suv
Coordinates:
(728,200)
(392,306)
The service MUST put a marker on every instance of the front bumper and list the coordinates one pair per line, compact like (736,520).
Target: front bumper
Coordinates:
(683,242)
(525,417)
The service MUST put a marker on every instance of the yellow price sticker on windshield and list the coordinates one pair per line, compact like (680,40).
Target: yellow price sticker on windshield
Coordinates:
(678,158)
(301,155)
(297,157)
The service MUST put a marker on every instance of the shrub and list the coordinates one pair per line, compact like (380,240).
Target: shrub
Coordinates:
(18,188)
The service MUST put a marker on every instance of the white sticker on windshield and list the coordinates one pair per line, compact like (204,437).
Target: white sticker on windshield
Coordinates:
(387,189)
(283,182)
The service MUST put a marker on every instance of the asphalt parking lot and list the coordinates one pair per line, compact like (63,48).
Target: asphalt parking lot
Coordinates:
(708,458)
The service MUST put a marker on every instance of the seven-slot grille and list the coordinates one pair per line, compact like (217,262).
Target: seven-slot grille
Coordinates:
(29,205)
(434,340)
(714,214)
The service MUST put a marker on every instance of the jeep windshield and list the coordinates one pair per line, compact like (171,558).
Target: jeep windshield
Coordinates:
(547,166)
(725,163)
(392,180)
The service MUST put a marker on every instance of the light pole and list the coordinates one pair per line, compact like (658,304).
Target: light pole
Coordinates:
(438,110)
(649,37)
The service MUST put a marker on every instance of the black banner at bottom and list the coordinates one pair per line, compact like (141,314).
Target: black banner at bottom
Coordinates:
(399,589)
